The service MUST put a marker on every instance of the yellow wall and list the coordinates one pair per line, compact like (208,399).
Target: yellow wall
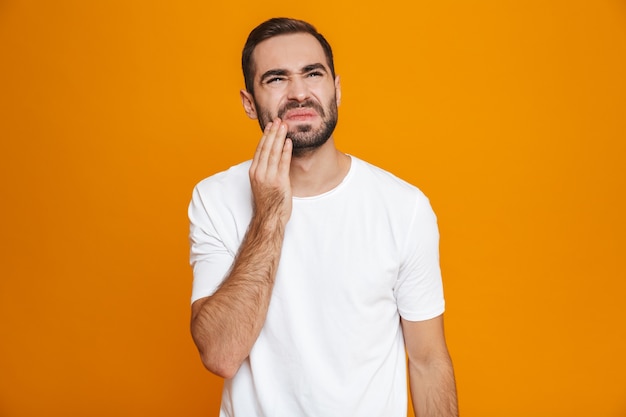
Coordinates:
(511,116)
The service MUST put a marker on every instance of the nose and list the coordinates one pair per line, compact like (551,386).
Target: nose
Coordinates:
(298,89)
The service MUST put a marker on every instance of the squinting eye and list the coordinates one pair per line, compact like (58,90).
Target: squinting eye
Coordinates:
(315,74)
(274,80)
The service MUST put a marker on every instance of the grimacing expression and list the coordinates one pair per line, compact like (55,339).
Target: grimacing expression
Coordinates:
(305,137)
(293,82)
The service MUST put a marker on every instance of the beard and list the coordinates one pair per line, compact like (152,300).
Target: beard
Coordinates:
(304,137)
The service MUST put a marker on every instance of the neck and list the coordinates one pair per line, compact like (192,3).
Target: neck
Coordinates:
(318,171)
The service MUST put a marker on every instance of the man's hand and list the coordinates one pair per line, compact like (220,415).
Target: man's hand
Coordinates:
(226,324)
(269,173)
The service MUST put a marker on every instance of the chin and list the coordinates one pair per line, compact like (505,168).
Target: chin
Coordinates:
(300,127)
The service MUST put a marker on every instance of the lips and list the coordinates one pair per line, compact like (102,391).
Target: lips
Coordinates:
(303,110)
(300,114)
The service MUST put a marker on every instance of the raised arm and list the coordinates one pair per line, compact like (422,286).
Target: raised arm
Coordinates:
(226,324)
(431,376)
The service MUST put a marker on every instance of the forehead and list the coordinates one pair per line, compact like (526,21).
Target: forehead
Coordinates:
(291,52)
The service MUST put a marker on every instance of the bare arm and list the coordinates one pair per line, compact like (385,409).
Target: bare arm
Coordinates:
(433,388)
(226,324)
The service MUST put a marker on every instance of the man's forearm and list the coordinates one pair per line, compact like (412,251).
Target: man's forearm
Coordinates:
(225,325)
(433,388)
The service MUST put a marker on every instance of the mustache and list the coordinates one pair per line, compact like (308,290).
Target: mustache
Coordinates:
(300,105)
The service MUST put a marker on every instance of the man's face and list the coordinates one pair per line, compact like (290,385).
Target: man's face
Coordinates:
(293,81)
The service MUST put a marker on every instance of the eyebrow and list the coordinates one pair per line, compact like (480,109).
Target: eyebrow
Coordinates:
(273,73)
(313,67)
(284,72)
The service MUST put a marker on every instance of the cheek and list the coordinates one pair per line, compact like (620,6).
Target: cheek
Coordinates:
(268,107)
(264,116)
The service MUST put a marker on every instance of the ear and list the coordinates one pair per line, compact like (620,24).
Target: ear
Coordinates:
(338,90)
(247,100)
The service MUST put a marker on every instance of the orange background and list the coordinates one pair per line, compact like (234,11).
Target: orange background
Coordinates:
(511,116)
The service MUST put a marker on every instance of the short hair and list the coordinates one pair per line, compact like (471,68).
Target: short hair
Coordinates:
(275,27)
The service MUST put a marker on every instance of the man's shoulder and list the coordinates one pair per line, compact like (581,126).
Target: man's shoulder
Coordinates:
(385,181)
(234,178)
(228,190)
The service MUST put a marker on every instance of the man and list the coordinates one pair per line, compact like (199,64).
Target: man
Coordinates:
(313,270)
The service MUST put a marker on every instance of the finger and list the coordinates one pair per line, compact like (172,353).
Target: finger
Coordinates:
(276,147)
(265,149)
(285,159)
(259,169)
(257,152)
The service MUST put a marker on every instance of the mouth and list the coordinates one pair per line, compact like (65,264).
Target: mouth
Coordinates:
(304,111)
(300,114)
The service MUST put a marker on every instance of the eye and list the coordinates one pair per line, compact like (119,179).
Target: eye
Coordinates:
(314,74)
(274,80)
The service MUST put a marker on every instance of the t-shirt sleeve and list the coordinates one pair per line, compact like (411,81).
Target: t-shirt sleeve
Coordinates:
(209,256)
(419,289)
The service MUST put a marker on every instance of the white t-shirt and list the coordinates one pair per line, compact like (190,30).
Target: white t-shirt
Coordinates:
(354,260)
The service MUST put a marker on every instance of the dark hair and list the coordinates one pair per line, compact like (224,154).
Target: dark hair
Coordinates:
(274,27)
